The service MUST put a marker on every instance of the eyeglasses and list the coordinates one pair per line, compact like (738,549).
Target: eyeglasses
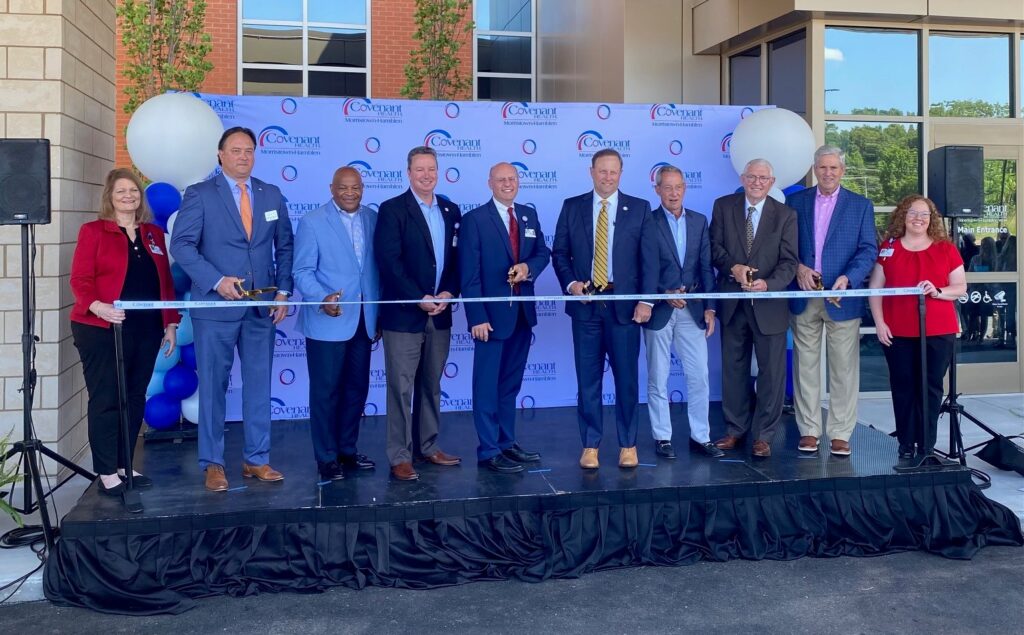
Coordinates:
(751,178)
(918,214)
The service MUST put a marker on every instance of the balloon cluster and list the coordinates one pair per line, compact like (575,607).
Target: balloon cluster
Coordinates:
(173,162)
(780,136)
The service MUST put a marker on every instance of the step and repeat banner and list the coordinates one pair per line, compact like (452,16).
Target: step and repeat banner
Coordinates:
(301,142)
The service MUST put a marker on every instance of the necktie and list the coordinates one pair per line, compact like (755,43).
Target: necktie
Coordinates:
(245,210)
(750,228)
(513,234)
(601,247)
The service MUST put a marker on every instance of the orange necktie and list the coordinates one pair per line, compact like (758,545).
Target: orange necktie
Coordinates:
(245,209)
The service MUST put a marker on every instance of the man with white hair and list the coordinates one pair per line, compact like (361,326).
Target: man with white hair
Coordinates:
(754,248)
(837,249)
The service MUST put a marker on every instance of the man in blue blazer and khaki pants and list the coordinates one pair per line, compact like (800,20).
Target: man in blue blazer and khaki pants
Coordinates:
(837,247)
(334,261)
(233,233)
(502,254)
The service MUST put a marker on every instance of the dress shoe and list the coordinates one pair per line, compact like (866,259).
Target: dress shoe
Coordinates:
(139,481)
(263,472)
(589,459)
(215,479)
(664,449)
(113,492)
(440,458)
(728,442)
(519,455)
(808,444)
(627,457)
(330,471)
(356,462)
(708,448)
(502,464)
(840,447)
(761,449)
(404,472)
(906,451)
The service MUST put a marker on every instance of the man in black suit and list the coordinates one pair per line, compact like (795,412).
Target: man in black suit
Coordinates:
(754,248)
(597,242)
(416,248)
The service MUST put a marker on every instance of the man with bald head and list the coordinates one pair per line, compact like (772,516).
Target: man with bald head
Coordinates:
(502,252)
(334,262)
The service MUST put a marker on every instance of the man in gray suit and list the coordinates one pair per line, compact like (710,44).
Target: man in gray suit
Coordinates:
(754,248)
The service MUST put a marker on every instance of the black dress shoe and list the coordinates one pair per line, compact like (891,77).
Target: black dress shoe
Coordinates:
(664,449)
(906,452)
(708,448)
(139,481)
(503,465)
(519,455)
(113,492)
(356,461)
(330,472)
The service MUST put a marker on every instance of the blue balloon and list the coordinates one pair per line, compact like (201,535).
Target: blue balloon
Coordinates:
(182,283)
(164,364)
(162,411)
(185,335)
(156,384)
(793,188)
(180,382)
(188,355)
(164,199)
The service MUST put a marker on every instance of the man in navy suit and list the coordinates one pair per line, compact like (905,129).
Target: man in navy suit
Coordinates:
(416,248)
(598,246)
(837,248)
(334,261)
(233,233)
(502,252)
(680,237)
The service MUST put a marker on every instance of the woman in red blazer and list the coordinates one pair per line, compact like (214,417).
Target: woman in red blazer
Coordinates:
(120,256)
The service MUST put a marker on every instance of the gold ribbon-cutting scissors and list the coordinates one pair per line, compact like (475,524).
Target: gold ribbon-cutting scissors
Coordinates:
(253,293)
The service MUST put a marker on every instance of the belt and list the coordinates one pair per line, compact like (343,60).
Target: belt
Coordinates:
(607,289)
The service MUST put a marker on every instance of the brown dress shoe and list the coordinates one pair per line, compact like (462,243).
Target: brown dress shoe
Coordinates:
(761,449)
(728,442)
(262,472)
(808,444)
(627,457)
(589,459)
(440,458)
(840,447)
(404,472)
(215,479)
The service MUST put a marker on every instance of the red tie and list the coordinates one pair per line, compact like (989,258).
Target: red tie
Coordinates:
(513,234)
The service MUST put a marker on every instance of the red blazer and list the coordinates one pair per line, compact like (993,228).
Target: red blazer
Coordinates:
(100,265)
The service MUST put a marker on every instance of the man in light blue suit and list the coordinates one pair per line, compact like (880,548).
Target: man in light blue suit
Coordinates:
(837,249)
(334,261)
(501,243)
(233,234)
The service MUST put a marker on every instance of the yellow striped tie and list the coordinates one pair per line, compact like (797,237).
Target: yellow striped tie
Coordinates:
(601,247)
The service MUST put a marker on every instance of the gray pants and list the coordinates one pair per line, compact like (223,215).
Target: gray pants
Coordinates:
(414,363)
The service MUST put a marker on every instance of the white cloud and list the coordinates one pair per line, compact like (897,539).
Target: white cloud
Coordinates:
(833,55)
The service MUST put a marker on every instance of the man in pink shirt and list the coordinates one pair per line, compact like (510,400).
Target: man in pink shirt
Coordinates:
(837,249)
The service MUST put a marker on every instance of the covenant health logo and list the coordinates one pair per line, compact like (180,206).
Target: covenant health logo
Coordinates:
(461,342)
(452,175)
(535,179)
(298,209)
(287,346)
(286,377)
(673,115)
(520,113)
(289,106)
(540,371)
(223,106)
(280,409)
(726,144)
(529,146)
(694,178)
(377,179)
(546,308)
(450,403)
(357,109)
(277,140)
(289,173)
(590,141)
(447,145)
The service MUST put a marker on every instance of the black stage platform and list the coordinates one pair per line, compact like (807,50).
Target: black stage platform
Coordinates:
(462,524)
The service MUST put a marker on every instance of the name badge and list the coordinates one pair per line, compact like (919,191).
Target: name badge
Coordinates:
(271,215)
(531,233)
(156,250)
(885,253)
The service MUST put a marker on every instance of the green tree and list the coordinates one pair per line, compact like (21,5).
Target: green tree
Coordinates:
(969,108)
(441,30)
(165,47)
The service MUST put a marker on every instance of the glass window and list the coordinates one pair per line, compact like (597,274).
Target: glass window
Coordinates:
(338,11)
(969,75)
(874,372)
(745,77)
(988,323)
(337,47)
(787,72)
(277,10)
(504,15)
(262,44)
(263,81)
(503,89)
(504,49)
(503,54)
(327,84)
(989,243)
(871,71)
(883,160)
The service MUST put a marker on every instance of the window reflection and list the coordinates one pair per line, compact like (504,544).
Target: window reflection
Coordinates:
(338,11)
(883,160)
(969,75)
(278,10)
(998,224)
(262,44)
(327,84)
(871,71)
(503,54)
(259,81)
(988,323)
(745,77)
(504,15)
(503,88)
(787,72)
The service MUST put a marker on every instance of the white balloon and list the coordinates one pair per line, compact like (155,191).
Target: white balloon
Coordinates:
(777,194)
(780,136)
(190,407)
(170,223)
(173,138)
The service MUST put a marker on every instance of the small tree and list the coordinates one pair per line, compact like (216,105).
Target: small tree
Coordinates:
(165,47)
(441,29)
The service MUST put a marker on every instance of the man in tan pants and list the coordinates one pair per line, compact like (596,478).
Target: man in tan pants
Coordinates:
(837,250)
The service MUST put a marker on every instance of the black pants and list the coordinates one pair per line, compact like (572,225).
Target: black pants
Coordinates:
(904,358)
(96,348)
(745,409)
